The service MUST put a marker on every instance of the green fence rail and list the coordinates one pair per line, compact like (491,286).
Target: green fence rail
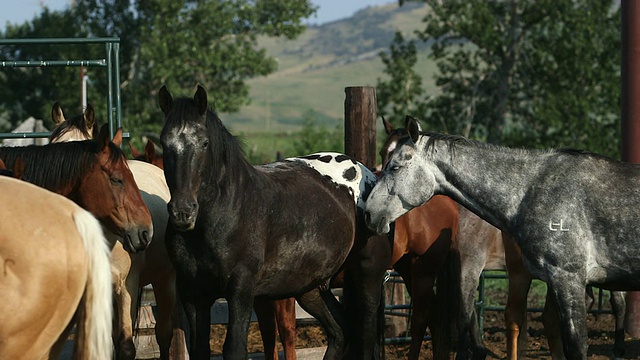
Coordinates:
(111,62)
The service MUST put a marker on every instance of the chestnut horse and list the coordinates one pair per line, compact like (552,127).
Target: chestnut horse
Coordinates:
(133,271)
(55,263)
(94,174)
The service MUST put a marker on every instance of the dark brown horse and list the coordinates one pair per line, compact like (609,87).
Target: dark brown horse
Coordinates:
(242,232)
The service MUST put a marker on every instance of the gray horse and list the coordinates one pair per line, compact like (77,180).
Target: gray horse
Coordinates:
(574,214)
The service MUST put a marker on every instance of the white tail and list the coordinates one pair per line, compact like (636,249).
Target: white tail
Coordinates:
(93,334)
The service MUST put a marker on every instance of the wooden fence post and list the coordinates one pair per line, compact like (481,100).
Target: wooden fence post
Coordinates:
(360,114)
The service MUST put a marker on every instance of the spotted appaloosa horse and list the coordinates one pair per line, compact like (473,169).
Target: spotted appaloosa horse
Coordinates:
(55,276)
(572,213)
(240,232)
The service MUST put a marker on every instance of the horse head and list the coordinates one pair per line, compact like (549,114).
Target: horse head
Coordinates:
(119,205)
(391,143)
(185,143)
(404,183)
(77,128)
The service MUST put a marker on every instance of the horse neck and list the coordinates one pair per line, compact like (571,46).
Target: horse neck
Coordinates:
(490,181)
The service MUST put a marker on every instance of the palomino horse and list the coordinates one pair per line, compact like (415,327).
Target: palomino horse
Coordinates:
(77,128)
(240,232)
(572,213)
(55,263)
(482,246)
(132,271)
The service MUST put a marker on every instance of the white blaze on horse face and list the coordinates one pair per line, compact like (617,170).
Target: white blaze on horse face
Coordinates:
(179,139)
(342,170)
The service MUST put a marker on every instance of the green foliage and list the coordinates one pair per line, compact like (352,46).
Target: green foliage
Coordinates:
(403,93)
(313,138)
(522,73)
(163,42)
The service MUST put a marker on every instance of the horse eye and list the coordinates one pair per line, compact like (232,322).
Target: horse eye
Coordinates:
(394,168)
(116,181)
(205,144)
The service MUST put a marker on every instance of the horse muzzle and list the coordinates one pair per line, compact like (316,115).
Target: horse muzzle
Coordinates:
(183,217)
(137,240)
(380,226)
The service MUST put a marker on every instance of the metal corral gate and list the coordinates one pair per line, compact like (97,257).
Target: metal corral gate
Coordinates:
(404,310)
(111,62)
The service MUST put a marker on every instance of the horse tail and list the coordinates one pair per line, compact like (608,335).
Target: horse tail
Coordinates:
(94,318)
(449,304)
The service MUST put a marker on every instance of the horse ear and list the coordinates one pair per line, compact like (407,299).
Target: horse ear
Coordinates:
(89,116)
(117,138)
(18,168)
(165,99)
(413,127)
(56,114)
(104,138)
(134,152)
(150,151)
(388,127)
(201,100)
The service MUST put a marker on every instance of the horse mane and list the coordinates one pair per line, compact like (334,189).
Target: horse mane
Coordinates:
(454,140)
(75,123)
(56,165)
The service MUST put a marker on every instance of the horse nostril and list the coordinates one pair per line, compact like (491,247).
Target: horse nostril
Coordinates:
(367,217)
(144,235)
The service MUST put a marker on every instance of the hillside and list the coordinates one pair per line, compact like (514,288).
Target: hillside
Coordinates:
(315,68)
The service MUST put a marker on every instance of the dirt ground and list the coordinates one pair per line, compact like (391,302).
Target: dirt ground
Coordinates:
(600,329)
(600,339)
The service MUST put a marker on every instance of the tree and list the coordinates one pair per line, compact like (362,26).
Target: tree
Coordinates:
(403,93)
(181,44)
(538,74)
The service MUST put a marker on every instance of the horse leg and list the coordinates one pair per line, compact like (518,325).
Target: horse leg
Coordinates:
(551,324)
(322,305)
(286,319)
(567,293)
(516,309)
(179,346)
(618,305)
(240,298)
(364,277)
(423,302)
(123,324)
(265,312)
(166,305)
(469,336)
